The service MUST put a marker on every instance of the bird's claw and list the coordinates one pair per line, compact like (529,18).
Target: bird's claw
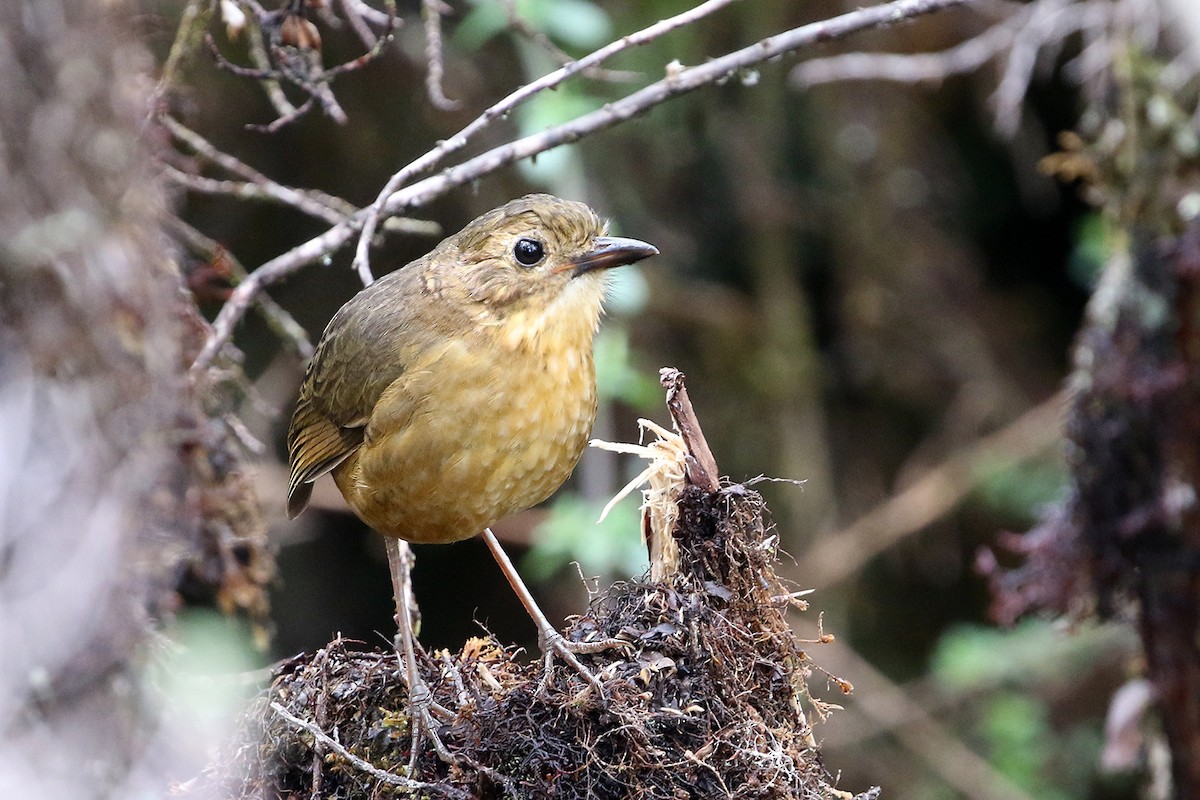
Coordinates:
(420,702)
(421,699)
(552,642)
(423,719)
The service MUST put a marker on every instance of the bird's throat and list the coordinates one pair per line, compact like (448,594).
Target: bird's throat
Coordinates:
(569,321)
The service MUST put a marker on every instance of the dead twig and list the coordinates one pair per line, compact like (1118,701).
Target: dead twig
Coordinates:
(431,15)
(359,763)
(702,466)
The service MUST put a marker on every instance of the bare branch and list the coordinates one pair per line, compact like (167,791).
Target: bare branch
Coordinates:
(357,24)
(539,38)
(357,8)
(431,13)
(366,766)
(677,83)
(262,60)
(284,120)
(258,186)
(1023,35)
(276,316)
(358,15)
(245,190)
(913,67)
(193,21)
(286,46)
(1051,22)
(271,271)
(457,142)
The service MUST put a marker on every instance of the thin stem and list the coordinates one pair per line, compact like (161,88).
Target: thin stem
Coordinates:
(431,13)
(360,763)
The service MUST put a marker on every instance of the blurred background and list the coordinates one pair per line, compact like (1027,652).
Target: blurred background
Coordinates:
(871,287)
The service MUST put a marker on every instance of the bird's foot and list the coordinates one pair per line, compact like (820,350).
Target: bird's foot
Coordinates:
(421,709)
(554,643)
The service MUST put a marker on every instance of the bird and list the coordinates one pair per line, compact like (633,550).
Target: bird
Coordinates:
(461,389)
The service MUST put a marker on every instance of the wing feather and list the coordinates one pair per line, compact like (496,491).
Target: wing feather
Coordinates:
(316,445)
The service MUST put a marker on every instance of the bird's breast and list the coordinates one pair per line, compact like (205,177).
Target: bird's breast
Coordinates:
(493,424)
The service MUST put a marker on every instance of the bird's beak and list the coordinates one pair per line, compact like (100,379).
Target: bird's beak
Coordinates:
(610,251)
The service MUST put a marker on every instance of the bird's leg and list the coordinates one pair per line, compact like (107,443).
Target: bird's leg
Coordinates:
(549,640)
(420,701)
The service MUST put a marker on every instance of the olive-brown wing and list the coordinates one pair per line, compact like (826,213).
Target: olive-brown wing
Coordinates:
(366,346)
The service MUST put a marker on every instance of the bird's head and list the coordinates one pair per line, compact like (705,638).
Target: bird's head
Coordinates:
(534,252)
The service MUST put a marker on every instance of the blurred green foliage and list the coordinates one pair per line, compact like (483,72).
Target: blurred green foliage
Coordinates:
(1020,492)
(1020,743)
(1031,711)
(205,652)
(575,24)
(1093,247)
(978,658)
(616,376)
(571,533)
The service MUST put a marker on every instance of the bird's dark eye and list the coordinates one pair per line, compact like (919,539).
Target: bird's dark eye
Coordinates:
(528,252)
